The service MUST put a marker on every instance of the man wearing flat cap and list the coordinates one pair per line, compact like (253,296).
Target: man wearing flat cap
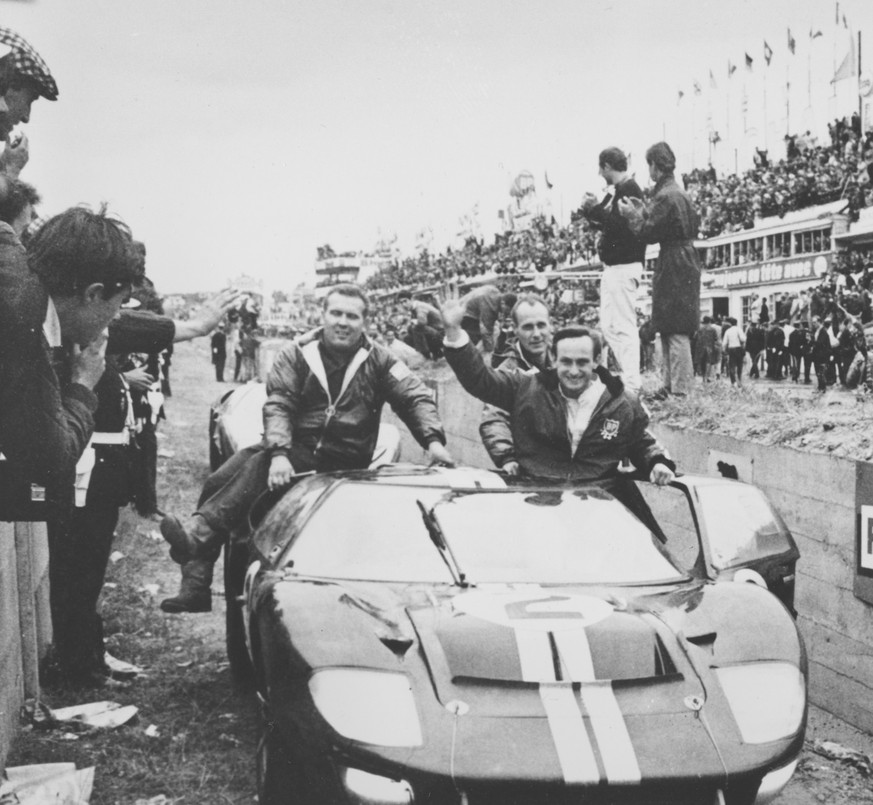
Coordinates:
(28,78)
(671,220)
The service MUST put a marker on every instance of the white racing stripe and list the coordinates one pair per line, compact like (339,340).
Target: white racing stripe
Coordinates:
(535,656)
(572,744)
(575,653)
(575,754)
(613,740)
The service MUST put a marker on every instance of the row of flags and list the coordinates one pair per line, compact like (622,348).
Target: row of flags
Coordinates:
(846,69)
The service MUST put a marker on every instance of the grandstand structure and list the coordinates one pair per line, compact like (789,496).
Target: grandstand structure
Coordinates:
(778,255)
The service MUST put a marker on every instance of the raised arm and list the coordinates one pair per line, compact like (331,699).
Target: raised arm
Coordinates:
(479,379)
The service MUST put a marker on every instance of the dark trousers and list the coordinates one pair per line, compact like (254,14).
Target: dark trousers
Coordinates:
(79,548)
(219,369)
(146,470)
(472,327)
(821,374)
(230,491)
(735,364)
(755,371)
(427,340)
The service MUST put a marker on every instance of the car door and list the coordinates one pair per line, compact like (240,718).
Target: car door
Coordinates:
(725,530)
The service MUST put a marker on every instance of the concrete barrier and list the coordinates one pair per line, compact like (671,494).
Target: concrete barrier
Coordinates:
(25,620)
(818,496)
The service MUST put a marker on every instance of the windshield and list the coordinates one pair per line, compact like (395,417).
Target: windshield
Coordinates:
(741,524)
(376,532)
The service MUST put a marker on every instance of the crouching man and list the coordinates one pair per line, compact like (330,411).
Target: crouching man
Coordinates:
(324,403)
(573,422)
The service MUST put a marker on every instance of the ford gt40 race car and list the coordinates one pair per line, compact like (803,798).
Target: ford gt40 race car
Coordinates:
(432,636)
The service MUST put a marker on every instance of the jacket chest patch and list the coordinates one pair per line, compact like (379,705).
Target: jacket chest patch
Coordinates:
(610,429)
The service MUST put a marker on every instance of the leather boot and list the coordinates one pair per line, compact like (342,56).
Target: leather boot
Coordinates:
(187,543)
(194,593)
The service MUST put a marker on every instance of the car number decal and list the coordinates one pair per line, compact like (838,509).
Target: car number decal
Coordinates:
(549,629)
(534,610)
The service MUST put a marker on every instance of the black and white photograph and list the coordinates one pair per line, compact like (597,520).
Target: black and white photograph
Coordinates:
(436,403)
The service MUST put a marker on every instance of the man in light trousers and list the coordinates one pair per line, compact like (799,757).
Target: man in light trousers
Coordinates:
(622,254)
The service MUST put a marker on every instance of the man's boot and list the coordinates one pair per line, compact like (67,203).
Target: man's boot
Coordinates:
(194,593)
(186,543)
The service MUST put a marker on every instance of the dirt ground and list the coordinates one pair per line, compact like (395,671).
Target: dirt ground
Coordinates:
(202,752)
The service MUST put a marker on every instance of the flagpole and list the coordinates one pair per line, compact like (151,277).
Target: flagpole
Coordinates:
(860,99)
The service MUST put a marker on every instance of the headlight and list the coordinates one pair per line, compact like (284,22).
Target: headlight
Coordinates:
(375,707)
(767,699)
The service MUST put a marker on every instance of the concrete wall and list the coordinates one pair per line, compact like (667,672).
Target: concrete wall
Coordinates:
(25,620)
(819,498)
(817,495)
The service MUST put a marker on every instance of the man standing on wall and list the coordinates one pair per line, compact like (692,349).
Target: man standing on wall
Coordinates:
(622,255)
(670,220)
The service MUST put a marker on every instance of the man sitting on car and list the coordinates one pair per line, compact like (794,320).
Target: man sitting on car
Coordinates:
(573,422)
(324,402)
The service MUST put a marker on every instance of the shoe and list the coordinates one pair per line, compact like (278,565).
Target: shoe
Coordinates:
(185,544)
(660,394)
(119,669)
(194,593)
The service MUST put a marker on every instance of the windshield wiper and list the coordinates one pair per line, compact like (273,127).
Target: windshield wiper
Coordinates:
(438,538)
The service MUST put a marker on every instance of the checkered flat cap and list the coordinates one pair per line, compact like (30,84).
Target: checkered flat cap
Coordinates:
(28,63)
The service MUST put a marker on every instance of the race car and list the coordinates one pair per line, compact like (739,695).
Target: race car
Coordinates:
(435,636)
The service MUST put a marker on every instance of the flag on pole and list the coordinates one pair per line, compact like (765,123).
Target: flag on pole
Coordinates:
(697,89)
(749,62)
(847,68)
(712,84)
(732,68)
(768,53)
(549,185)
(681,96)
(792,44)
(814,35)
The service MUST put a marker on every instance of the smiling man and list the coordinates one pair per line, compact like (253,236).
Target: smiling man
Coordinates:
(324,403)
(530,352)
(573,422)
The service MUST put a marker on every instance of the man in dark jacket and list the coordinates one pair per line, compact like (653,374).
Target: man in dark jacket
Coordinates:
(426,326)
(756,341)
(324,403)
(796,347)
(567,424)
(483,308)
(54,305)
(822,354)
(219,352)
(775,345)
(672,221)
(622,255)
(530,352)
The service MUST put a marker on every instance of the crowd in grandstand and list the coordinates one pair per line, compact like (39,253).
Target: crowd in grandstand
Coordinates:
(811,173)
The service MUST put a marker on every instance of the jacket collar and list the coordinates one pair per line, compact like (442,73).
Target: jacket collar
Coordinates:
(668,178)
(312,356)
(524,360)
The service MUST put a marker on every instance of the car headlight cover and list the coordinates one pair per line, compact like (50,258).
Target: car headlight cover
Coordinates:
(376,707)
(768,699)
